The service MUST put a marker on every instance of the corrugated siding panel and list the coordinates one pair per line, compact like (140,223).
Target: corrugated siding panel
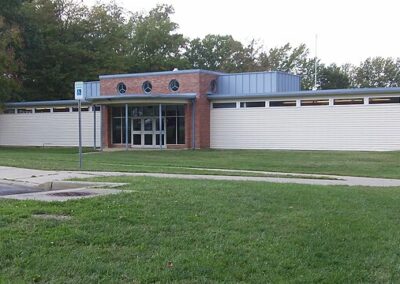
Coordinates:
(239,84)
(281,82)
(273,83)
(246,83)
(371,128)
(232,85)
(253,84)
(267,84)
(52,129)
(260,82)
(257,83)
(223,85)
(92,89)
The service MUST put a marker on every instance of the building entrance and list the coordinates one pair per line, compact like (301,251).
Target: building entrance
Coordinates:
(146,132)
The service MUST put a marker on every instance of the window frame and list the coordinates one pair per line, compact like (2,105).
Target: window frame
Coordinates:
(389,100)
(224,105)
(281,103)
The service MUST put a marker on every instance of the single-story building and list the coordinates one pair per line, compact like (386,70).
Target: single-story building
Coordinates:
(184,109)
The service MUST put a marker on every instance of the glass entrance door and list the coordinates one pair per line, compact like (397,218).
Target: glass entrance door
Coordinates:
(146,132)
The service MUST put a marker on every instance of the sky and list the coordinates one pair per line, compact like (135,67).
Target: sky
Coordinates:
(348,31)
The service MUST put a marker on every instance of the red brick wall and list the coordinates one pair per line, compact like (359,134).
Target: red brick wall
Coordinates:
(105,117)
(188,125)
(187,84)
(203,111)
(196,82)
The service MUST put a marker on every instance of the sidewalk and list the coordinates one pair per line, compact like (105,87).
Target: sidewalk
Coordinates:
(29,177)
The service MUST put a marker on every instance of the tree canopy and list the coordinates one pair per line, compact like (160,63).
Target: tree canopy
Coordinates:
(46,45)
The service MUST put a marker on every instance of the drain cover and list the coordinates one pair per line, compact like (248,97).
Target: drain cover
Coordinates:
(71,193)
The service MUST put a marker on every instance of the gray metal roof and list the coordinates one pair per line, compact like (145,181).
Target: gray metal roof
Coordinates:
(45,103)
(91,100)
(359,91)
(262,72)
(159,73)
(133,97)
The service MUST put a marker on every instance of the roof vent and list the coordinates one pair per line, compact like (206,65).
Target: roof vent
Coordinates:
(175,69)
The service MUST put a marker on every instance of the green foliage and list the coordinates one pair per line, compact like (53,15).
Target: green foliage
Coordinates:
(9,66)
(219,53)
(10,40)
(107,40)
(295,60)
(285,58)
(46,45)
(377,72)
(333,77)
(155,44)
(53,56)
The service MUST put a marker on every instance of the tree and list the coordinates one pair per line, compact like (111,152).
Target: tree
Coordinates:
(46,45)
(377,72)
(333,77)
(10,39)
(155,44)
(107,40)
(53,53)
(290,59)
(220,53)
(285,58)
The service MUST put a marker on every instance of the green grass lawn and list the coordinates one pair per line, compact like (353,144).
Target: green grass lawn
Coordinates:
(374,164)
(184,231)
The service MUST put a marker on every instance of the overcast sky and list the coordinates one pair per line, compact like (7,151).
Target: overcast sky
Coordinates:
(348,30)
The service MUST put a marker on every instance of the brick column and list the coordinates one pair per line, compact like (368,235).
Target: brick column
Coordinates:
(105,121)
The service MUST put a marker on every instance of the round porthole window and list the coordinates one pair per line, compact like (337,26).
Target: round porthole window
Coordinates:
(147,87)
(173,85)
(121,88)
(213,86)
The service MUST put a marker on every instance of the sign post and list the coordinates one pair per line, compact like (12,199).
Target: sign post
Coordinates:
(80,133)
(79,96)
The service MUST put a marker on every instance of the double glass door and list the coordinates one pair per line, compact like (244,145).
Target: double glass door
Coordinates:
(146,132)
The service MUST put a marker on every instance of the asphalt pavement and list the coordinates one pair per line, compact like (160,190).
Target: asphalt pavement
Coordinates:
(8,189)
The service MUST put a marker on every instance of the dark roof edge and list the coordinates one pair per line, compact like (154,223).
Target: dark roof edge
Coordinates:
(361,91)
(190,71)
(45,103)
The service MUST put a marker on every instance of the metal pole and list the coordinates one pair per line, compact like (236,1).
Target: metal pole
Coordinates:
(94,127)
(193,124)
(160,124)
(126,127)
(102,109)
(80,133)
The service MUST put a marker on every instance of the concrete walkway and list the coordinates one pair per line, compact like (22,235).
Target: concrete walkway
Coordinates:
(29,177)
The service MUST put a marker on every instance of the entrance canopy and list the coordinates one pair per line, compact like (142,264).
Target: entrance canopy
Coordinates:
(140,98)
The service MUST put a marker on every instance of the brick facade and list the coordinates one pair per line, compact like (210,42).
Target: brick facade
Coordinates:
(196,82)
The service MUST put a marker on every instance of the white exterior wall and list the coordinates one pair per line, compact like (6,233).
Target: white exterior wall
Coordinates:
(349,127)
(49,129)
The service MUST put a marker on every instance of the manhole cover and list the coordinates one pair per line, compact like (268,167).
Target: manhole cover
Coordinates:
(71,193)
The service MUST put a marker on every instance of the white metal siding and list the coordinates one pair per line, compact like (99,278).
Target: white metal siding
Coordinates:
(355,127)
(51,129)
